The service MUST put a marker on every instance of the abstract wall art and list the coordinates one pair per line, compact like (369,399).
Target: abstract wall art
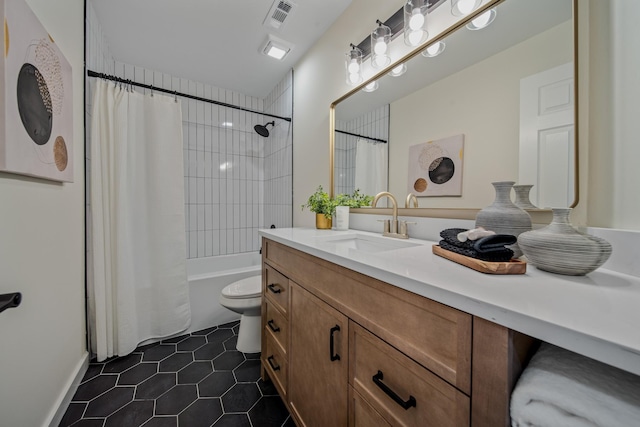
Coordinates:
(36,111)
(435,167)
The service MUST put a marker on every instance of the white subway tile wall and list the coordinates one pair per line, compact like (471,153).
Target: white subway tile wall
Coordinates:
(374,124)
(235,180)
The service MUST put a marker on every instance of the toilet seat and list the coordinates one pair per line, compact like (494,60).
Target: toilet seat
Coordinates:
(249,287)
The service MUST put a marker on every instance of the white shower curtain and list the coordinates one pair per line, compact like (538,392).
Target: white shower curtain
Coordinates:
(372,167)
(137,278)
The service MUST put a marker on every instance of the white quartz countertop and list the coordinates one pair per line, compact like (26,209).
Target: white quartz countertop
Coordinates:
(597,315)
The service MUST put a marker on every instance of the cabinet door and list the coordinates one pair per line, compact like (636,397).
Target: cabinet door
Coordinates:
(318,361)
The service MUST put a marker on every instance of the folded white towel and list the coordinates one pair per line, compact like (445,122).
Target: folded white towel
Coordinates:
(474,234)
(564,389)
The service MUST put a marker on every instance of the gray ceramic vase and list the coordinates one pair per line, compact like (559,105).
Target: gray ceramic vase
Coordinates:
(522,196)
(561,248)
(503,216)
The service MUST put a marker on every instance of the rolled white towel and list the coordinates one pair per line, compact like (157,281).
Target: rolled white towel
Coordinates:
(560,388)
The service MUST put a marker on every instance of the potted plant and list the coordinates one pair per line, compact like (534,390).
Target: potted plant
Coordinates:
(325,206)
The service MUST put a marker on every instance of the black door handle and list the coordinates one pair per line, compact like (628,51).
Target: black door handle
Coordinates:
(377,378)
(272,288)
(274,367)
(272,327)
(333,355)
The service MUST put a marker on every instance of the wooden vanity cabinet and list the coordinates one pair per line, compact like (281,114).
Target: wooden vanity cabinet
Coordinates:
(356,351)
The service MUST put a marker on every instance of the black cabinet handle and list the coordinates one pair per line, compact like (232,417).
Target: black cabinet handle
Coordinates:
(10,300)
(333,355)
(274,367)
(377,378)
(272,288)
(273,328)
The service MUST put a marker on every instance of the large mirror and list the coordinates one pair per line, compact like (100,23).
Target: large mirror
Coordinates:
(505,93)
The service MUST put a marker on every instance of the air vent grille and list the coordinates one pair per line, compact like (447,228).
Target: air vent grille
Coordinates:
(278,14)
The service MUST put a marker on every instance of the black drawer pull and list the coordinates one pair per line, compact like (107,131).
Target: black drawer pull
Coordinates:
(273,328)
(274,367)
(333,355)
(272,288)
(377,378)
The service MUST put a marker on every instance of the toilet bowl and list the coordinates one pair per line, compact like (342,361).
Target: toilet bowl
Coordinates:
(244,297)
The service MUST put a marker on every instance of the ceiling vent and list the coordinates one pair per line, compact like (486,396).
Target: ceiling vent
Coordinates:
(279,14)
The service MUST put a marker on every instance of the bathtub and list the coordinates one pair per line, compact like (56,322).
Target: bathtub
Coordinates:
(207,277)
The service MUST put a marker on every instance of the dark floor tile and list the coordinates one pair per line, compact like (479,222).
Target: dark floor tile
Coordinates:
(176,399)
(138,374)
(236,329)
(204,331)
(93,422)
(192,343)
(73,414)
(229,325)
(95,387)
(250,356)
(134,414)
(175,362)
(233,420)
(216,384)
(194,373)
(143,348)
(109,402)
(228,361)
(162,422)
(155,386)
(209,351)
(203,413)
(248,371)
(267,388)
(93,371)
(121,364)
(289,422)
(219,335)
(231,343)
(268,412)
(159,352)
(175,340)
(241,398)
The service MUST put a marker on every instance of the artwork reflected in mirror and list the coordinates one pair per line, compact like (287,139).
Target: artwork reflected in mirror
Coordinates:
(499,87)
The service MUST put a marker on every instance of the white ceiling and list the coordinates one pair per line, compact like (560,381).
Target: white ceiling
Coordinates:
(212,41)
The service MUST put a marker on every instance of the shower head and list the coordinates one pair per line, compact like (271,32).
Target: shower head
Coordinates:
(262,130)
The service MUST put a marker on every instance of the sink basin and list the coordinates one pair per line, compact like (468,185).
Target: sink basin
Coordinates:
(364,243)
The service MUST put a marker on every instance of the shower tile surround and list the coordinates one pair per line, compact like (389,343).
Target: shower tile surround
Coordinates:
(193,380)
(374,124)
(235,180)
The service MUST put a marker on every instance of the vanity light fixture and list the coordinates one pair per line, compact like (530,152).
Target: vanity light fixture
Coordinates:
(353,65)
(483,20)
(434,50)
(399,70)
(380,39)
(415,22)
(464,7)
(371,86)
(275,47)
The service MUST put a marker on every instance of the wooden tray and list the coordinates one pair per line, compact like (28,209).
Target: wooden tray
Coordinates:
(508,267)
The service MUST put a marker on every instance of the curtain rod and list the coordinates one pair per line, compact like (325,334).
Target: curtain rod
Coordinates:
(361,136)
(173,92)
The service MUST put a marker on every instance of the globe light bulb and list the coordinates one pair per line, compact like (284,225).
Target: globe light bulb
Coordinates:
(354,78)
(415,37)
(417,20)
(466,6)
(380,47)
(354,67)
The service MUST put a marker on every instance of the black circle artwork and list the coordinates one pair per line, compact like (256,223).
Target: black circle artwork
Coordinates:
(34,104)
(443,172)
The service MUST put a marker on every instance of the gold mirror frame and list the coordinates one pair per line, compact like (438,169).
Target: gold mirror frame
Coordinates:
(538,215)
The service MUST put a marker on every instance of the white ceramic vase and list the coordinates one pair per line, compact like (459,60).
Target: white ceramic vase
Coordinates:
(522,196)
(503,216)
(561,248)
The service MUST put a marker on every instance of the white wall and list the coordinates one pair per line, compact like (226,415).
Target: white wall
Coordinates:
(487,97)
(42,256)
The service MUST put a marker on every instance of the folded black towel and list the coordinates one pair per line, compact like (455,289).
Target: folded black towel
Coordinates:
(495,255)
(494,242)
(450,235)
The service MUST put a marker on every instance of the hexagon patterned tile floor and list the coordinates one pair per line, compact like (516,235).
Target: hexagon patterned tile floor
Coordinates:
(193,380)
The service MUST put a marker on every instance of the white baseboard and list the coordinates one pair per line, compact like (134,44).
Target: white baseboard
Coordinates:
(69,390)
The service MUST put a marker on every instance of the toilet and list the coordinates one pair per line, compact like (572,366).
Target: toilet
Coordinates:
(244,297)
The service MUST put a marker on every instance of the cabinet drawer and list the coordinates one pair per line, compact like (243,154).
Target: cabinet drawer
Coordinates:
(400,390)
(275,363)
(361,414)
(276,288)
(276,325)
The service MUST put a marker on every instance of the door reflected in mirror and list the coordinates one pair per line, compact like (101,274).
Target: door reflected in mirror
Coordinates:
(508,88)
